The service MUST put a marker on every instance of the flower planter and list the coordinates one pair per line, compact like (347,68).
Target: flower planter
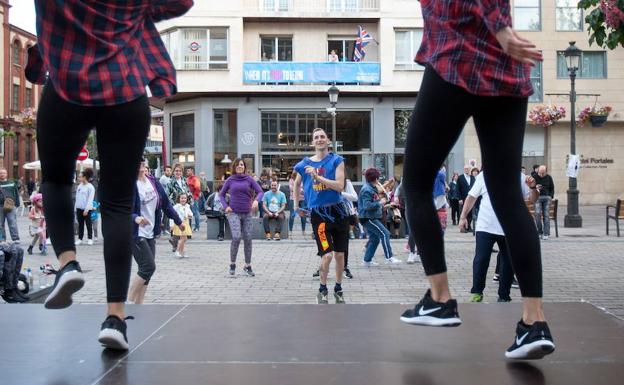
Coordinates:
(598,120)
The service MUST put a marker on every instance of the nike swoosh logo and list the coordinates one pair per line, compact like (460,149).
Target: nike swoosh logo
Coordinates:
(519,340)
(422,310)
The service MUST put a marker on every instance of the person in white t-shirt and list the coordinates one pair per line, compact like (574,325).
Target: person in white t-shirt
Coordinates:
(150,201)
(488,232)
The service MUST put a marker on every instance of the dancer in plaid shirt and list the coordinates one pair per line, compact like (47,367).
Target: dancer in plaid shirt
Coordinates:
(96,59)
(476,66)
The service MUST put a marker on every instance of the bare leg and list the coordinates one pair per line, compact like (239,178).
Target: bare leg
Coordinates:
(137,290)
(339,257)
(439,287)
(324,268)
(66,257)
(532,310)
(181,244)
(117,309)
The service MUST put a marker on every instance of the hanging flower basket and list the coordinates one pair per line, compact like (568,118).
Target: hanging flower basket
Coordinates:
(28,116)
(597,116)
(546,115)
(598,120)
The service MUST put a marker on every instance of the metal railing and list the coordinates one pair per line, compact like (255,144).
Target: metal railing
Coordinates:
(277,7)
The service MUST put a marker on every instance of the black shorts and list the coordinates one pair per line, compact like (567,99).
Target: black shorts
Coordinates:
(331,235)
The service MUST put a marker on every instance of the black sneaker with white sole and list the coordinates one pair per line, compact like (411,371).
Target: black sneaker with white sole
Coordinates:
(113,333)
(532,342)
(68,281)
(428,312)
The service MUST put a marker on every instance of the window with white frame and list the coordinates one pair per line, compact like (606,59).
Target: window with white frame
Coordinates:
(343,48)
(276,48)
(198,48)
(1,141)
(527,15)
(537,82)
(592,65)
(407,43)
(276,5)
(342,5)
(568,16)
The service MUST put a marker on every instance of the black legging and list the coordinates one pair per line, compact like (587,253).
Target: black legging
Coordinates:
(62,129)
(432,133)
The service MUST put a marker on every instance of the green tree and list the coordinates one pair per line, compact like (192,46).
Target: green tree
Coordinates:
(152,162)
(92,145)
(605,22)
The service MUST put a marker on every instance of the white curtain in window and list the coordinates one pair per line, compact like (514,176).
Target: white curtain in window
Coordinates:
(593,65)
(403,49)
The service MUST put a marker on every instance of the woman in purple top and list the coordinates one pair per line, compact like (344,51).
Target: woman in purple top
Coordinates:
(238,208)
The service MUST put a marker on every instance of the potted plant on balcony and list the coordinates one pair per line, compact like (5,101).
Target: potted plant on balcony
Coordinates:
(546,116)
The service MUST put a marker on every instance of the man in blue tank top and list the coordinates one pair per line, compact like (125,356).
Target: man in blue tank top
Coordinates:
(323,181)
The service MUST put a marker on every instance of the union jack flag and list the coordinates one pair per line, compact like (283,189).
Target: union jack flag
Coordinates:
(363,39)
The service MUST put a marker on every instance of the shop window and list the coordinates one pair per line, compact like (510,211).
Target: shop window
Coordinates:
(224,142)
(183,131)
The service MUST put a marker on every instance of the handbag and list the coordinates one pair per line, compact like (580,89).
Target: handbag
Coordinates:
(214,213)
(395,214)
(9,204)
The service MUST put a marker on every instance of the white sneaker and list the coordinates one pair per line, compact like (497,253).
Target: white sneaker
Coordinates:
(177,254)
(393,261)
(78,242)
(369,264)
(413,258)
(90,242)
(545,237)
(48,241)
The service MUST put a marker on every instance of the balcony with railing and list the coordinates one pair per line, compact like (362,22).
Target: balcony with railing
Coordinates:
(311,8)
(311,73)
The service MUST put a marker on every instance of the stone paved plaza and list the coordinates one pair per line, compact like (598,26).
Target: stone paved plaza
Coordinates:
(580,265)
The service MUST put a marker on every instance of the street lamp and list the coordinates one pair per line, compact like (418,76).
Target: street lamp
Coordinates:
(572,57)
(333,92)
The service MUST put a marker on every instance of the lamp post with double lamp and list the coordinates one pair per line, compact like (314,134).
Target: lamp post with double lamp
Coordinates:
(572,57)
(333,92)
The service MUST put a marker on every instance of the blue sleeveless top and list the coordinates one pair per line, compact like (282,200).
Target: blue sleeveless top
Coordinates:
(318,196)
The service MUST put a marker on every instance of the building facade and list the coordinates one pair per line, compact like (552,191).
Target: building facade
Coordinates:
(18,101)
(253,79)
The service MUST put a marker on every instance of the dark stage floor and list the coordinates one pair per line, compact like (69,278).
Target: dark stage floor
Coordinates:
(303,344)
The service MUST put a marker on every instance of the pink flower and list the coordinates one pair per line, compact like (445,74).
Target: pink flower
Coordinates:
(614,16)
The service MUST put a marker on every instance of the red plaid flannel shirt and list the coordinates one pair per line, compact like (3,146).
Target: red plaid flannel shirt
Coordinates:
(459,43)
(101,53)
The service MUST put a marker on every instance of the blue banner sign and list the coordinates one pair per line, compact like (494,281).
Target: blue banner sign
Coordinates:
(298,73)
